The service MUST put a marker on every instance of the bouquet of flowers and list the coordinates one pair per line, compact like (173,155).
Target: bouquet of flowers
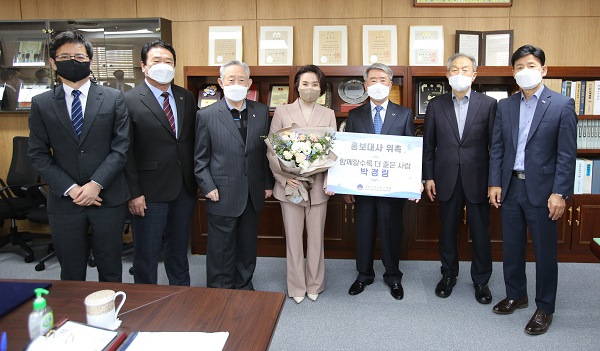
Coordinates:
(299,153)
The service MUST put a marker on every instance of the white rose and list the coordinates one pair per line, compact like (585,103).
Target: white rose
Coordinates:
(296,147)
(300,157)
(327,138)
(317,147)
(287,155)
(285,137)
(304,164)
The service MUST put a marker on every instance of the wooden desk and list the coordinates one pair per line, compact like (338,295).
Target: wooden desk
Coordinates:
(250,317)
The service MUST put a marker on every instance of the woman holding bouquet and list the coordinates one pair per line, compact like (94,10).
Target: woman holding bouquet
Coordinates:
(304,278)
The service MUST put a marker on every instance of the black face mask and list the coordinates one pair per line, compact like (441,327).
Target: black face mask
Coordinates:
(73,70)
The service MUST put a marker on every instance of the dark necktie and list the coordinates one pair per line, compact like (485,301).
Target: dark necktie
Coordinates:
(377,122)
(76,112)
(169,111)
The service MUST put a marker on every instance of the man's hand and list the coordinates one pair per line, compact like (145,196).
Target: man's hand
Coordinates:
(495,195)
(294,183)
(137,206)
(213,195)
(430,189)
(349,199)
(86,195)
(268,193)
(556,205)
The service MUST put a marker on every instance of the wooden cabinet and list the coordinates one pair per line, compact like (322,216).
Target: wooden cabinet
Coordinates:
(422,225)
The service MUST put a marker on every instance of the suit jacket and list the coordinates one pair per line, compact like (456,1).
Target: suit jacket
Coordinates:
(99,153)
(444,152)
(398,120)
(225,162)
(550,151)
(284,117)
(158,163)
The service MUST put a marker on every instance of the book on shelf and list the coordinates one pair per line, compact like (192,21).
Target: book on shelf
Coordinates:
(575,92)
(589,98)
(553,84)
(596,176)
(596,108)
(587,176)
(579,177)
(581,96)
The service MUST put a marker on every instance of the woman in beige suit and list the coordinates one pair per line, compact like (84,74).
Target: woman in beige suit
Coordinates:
(304,278)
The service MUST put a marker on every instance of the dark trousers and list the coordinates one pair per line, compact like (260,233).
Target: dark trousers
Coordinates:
(478,218)
(386,215)
(168,225)
(231,249)
(518,214)
(72,245)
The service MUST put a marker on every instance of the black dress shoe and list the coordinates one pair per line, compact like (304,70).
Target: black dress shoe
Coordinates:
(444,287)
(358,287)
(483,294)
(507,306)
(397,291)
(539,323)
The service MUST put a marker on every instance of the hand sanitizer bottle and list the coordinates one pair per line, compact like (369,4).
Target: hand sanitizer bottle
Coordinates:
(41,319)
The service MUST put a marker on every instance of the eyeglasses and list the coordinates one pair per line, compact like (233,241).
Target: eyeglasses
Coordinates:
(78,57)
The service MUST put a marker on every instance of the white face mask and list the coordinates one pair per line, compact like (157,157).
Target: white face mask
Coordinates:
(161,73)
(378,91)
(235,92)
(459,82)
(309,95)
(528,78)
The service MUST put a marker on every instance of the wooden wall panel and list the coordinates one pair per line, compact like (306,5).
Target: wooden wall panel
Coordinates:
(44,9)
(194,10)
(405,9)
(314,9)
(555,8)
(450,27)
(13,124)
(11,10)
(568,41)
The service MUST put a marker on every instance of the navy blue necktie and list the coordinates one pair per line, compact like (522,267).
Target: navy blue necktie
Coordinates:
(377,122)
(76,112)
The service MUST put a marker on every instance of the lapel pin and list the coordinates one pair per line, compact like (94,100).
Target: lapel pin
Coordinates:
(253,115)
(181,98)
(543,101)
(393,114)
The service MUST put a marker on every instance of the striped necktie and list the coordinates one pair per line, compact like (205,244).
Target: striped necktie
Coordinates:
(169,111)
(377,122)
(76,112)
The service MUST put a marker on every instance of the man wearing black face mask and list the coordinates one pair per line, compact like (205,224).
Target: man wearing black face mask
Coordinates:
(78,142)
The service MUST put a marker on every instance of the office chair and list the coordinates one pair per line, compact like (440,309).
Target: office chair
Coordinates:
(20,195)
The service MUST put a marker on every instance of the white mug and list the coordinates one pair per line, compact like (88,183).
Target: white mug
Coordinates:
(100,309)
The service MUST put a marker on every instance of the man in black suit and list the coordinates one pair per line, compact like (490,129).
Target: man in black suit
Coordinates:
(160,167)
(78,142)
(458,132)
(233,173)
(532,167)
(379,116)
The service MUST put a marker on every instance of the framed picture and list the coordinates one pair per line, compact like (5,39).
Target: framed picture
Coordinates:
(380,44)
(276,46)
(497,48)
(278,96)
(330,45)
(30,54)
(469,42)
(426,46)
(497,91)
(224,44)
(427,90)
(463,3)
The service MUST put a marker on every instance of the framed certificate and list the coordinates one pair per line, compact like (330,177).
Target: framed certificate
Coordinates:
(279,96)
(463,3)
(427,90)
(426,46)
(224,44)
(380,44)
(330,46)
(276,46)
(497,48)
(469,42)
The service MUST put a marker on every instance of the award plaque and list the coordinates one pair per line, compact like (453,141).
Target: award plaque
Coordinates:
(425,92)
(279,96)
(352,91)
(209,94)
(325,99)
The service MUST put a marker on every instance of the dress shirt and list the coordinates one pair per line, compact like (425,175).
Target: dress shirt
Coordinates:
(84,89)
(161,100)
(381,113)
(460,110)
(526,112)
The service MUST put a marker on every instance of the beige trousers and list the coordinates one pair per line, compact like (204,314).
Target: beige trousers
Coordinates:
(309,277)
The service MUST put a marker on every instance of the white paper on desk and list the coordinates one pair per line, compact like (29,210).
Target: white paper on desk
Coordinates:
(74,336)
(148,341)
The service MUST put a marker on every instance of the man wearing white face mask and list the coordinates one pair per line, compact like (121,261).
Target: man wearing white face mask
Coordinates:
(532,166)
(379,116)
(458,132)
(160,168)
(233,173)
